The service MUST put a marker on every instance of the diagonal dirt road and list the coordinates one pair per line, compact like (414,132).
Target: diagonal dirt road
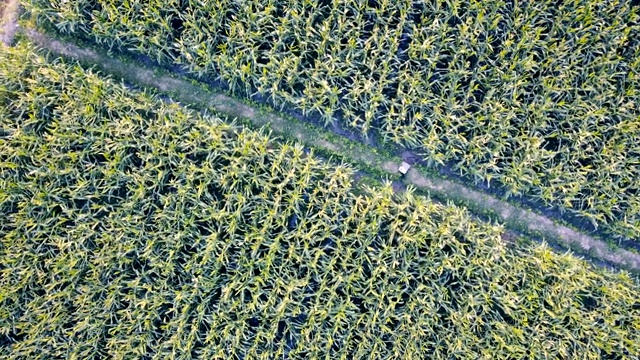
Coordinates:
(515,219)
(8,21)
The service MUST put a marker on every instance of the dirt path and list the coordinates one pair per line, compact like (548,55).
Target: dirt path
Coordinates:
(9,21)
(375,162)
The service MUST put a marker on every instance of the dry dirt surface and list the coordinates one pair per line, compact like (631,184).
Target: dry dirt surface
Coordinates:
(9,21)
(187,93)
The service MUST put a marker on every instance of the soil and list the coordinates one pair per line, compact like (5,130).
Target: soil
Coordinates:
(9,21)
(516,219)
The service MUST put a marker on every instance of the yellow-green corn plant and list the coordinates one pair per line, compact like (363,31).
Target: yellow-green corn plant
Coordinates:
(134,228)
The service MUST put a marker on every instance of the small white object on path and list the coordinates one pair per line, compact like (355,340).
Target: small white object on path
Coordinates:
(404,168)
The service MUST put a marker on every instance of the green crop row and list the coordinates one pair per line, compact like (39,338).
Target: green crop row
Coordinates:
(539,97)
(134,228)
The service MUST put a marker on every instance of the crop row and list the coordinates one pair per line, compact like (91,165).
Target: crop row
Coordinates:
(539,97)
(134,228)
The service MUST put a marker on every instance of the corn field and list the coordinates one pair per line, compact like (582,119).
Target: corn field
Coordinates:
(135,228)
(538,97)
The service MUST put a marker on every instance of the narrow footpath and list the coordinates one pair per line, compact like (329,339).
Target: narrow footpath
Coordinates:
(8,21)
(373,161)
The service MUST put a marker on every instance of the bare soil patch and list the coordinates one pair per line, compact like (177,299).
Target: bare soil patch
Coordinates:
(9,21)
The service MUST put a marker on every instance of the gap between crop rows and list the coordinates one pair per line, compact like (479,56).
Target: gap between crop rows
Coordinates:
(376,162)
(8,20)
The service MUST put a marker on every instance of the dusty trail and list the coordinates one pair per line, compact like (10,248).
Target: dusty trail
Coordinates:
(516,220)
(8,21)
